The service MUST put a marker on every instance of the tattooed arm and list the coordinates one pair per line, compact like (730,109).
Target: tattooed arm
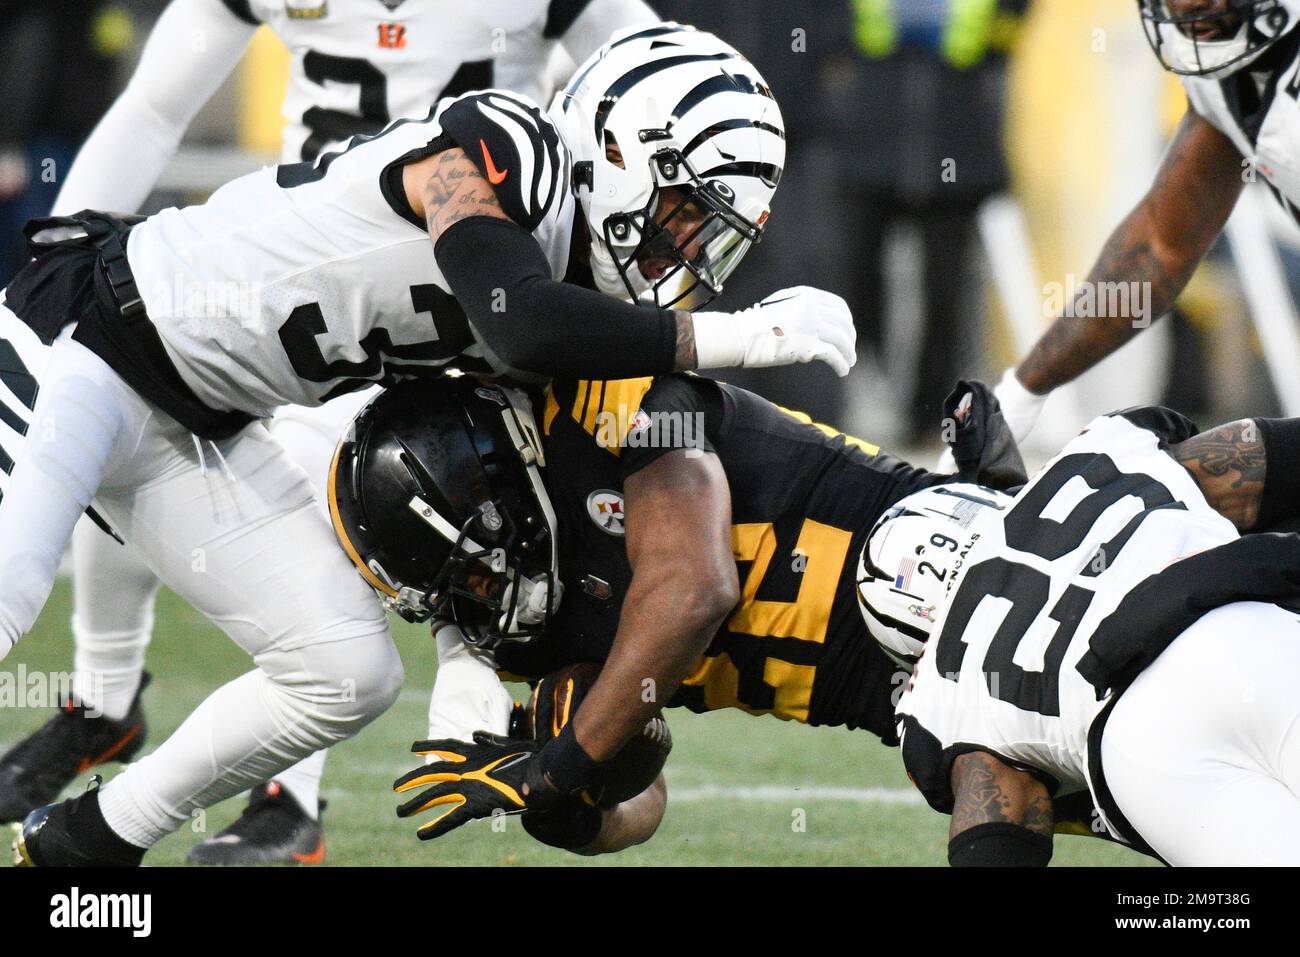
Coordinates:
(1228,464)
(1000,816)
(1158,247)
(448,187)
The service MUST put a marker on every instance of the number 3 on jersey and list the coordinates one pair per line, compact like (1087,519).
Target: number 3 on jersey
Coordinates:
(382,363)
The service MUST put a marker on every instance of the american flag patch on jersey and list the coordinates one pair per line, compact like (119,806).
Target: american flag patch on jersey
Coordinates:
(905,569)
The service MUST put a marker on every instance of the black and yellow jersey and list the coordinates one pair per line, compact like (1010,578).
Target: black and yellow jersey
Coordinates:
(804,498)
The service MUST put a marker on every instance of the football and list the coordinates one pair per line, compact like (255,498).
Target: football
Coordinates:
(553,704)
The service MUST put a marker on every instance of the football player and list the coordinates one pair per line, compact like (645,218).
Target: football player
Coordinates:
(1113,629)
(356,66)
(705,542)
(489,236)
(1238,61)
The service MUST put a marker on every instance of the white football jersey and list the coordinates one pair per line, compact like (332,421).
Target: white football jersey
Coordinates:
(1000,674)
(359,64)
(1260,113)
(301,282)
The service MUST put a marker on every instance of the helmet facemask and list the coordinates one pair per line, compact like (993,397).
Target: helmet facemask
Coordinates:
(496,593)
(1213,42)
(682,246)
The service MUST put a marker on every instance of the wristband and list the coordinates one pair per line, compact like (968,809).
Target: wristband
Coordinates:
(999,844)
(565,765)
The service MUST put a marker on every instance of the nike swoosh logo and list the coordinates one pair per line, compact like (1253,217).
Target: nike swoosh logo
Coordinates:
(495,176)
(773,302)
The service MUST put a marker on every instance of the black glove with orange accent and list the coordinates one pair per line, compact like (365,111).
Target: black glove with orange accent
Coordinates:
(493,775)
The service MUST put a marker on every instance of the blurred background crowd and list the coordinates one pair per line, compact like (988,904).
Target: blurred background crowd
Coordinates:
(951,163)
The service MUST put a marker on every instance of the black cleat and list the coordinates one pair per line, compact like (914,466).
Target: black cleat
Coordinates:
(72,833)
(35,771)
(274,829)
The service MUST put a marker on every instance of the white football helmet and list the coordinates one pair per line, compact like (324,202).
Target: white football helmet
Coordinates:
(910,559)
(1214,41)
(666,107)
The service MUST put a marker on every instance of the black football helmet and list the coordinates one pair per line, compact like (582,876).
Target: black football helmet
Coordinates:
(435,495)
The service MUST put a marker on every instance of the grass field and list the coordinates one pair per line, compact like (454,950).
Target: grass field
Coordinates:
(736,783)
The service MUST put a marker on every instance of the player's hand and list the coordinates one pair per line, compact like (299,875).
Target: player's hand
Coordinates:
(1020,410)
(800,324)
(1020,407)
(469,780)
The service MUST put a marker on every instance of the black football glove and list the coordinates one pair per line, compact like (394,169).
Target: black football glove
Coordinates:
(983,446)
(492,775)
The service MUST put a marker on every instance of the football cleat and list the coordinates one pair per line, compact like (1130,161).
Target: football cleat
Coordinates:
(274,829)
(37,769)
(72,833)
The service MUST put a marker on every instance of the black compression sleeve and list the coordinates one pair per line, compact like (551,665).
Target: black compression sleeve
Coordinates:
(1281,496)
(530,322)
(999,844)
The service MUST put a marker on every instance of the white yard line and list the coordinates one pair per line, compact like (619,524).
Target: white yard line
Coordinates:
(785,794)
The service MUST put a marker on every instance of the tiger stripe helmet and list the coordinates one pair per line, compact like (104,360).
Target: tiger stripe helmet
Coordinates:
(670,106)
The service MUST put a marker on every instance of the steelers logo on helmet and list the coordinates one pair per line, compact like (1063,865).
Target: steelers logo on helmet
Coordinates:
(911,557)
(678,146)
(1214,38)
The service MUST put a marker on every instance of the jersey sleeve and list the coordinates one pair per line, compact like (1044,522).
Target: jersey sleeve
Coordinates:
(636,421)
(515,147)
(679,412)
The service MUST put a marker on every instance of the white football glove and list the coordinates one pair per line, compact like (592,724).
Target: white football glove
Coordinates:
(794,325)
(1020,408)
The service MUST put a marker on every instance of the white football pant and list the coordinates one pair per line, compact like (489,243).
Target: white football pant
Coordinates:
(233,528)
(1202,752)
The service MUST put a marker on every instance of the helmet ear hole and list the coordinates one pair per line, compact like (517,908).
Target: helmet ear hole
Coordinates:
(613,152)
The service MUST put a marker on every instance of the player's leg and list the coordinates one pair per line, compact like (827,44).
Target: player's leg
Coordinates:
(112,619)
(114,595)
(235,531)
(84,426)
(281,822)
(1202,753)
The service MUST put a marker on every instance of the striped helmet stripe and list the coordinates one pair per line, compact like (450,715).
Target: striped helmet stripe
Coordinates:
(621,86)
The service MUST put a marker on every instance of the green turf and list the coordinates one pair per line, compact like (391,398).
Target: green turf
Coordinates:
(189,658)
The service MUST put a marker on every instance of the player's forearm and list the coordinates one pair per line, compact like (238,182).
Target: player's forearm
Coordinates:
(1145,280)
(667,622)
(1148,260)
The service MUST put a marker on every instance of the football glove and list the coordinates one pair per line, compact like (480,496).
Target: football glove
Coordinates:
(1020,411)
(1020,407)
(492,775)
(800,324)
